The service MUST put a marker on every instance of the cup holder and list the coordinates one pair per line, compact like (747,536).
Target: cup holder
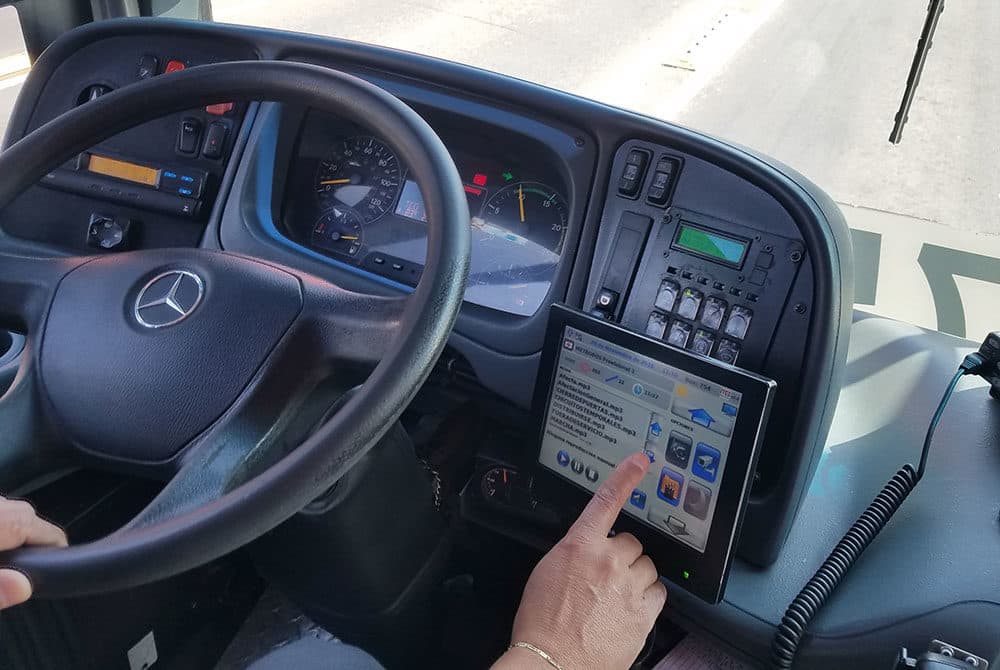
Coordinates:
(11,346)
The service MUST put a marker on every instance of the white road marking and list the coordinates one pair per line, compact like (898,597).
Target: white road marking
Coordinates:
(701,37)
(11,82)
(903,291)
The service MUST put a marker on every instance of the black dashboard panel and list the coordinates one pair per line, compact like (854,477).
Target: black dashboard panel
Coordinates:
(77,202)
(725,277)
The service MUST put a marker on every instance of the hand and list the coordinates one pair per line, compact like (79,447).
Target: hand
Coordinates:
(19,525)
(592,600)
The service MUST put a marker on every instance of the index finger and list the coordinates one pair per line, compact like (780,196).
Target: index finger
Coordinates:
(602,510)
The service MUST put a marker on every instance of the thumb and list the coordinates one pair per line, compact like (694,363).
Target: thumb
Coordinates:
(14,588)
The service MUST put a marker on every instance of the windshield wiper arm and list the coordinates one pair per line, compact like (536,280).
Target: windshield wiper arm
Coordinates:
(934,10)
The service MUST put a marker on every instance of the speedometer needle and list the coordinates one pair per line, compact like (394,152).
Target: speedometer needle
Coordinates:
(330,182)
(520,201)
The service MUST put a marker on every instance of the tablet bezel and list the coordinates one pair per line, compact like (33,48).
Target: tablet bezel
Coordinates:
(702,573)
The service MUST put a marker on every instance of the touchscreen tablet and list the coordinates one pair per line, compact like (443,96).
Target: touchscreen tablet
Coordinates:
(605,392)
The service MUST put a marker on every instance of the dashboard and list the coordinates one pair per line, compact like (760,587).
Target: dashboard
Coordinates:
(350,198)
(660,230)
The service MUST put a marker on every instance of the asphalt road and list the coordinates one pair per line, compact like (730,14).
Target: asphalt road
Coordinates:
(810,82)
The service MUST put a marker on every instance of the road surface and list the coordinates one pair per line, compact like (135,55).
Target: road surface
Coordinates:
(810,82)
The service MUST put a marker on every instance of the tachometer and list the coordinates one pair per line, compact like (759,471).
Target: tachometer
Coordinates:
(362,173)
(339,230)
(531,211)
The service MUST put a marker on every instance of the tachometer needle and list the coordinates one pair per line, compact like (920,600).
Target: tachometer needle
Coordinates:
(520,201)
(348,237)
(330,182)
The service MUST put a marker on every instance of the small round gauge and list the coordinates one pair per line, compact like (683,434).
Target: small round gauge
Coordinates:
(339,230)
(531,211)
(506,487)
(360,172)
(498,481)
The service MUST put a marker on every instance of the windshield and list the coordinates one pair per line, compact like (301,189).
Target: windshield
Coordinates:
(812,83)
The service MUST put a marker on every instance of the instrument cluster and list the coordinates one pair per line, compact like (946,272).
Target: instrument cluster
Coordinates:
(351,198)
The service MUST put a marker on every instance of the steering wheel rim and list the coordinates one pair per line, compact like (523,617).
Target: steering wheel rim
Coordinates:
(417,333)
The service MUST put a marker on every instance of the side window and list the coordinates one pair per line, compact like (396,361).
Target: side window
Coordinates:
(13,63)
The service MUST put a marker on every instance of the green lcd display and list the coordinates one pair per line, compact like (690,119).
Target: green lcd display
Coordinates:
(711,245)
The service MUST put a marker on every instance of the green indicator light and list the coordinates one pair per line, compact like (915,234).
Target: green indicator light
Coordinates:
(508,176)
(687,575)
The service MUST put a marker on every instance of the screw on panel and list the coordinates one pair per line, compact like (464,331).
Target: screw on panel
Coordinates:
(795,256)
(579,141)
(800,308)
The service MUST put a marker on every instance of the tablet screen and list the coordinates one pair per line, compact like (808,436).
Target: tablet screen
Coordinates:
(608,402)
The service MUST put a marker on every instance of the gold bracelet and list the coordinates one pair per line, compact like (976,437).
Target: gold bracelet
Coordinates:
(532,648)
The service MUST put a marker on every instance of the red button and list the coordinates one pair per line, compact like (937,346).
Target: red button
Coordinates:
(173,66)
(220,108)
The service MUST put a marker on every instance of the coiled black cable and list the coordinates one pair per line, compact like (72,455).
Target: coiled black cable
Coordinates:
(816,592)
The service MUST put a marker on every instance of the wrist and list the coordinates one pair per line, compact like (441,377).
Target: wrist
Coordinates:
(520,657)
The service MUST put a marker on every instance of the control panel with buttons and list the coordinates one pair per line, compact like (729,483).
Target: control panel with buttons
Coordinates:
(154,185)
(726,308)
(721,271)
(662,178)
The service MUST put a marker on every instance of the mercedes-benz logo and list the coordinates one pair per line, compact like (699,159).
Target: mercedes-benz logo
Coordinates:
(168,298)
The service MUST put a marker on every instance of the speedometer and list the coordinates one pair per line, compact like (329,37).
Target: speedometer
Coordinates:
(362,173)
(529,211)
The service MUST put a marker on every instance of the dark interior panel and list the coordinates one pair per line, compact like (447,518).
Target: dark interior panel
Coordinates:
(152,186)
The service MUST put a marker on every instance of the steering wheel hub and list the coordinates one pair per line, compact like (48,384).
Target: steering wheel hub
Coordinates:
(130,390)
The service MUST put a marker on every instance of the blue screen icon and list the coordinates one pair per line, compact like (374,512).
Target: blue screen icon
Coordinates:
(638,499)
(706,462)
(562,458)
(670,486)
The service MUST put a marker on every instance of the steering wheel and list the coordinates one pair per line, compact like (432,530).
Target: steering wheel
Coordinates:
(197,366)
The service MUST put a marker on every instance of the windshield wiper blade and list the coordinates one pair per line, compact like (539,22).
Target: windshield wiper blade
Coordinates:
(934,10)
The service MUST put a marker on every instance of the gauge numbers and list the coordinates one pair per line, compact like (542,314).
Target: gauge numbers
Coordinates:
(362,173)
